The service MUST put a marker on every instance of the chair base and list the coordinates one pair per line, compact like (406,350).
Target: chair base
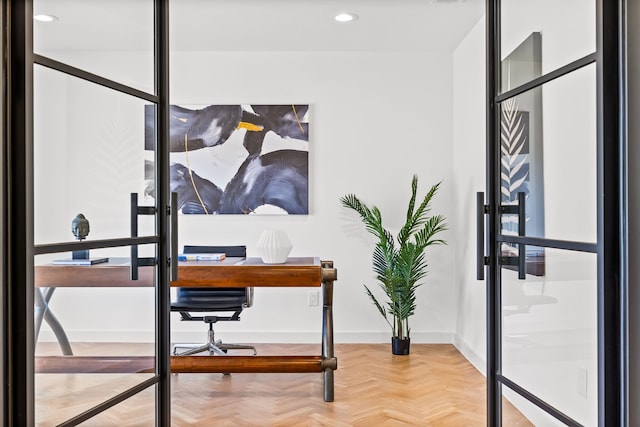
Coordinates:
(218,348)
(212,346)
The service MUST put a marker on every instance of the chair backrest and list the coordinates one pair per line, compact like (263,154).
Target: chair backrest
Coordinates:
(230,251)
(214,299)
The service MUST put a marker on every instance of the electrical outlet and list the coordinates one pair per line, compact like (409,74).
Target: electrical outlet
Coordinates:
(313,298)
(582,381)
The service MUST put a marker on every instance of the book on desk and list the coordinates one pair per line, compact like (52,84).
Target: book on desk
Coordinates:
(202,257)
(74,261)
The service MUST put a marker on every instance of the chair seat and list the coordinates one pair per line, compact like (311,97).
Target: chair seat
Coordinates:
(218,305)
(208,299)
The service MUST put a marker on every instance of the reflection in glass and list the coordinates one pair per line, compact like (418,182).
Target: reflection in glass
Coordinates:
(521,162)
(102,322)
(558,178)
(549,333)
(534,259)
(88,157)
(523,64)
(112,39)
(551,18)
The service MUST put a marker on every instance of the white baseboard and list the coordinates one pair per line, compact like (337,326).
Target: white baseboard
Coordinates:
(474,358)
(385,337)
(249,337)
(101,336)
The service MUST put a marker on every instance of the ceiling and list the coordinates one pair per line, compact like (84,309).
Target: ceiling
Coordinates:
(258,25)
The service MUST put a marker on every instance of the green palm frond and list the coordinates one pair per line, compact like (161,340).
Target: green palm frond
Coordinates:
(425,236)
(400,269)
(412,201)
(352,202)
(377,304)
(415,219)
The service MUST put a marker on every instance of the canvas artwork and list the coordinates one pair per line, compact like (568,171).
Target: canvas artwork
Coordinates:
(521,149)
(236,159)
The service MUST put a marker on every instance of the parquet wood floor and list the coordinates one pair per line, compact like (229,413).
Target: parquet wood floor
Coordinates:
(434,386)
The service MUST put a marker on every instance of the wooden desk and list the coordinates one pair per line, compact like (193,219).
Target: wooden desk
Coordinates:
(232,272)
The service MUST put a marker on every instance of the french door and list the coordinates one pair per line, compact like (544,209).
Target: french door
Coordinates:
(75,143)
(553,207)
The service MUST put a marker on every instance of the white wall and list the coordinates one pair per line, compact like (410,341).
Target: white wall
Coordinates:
(469,169)
(549,326)
(376,119)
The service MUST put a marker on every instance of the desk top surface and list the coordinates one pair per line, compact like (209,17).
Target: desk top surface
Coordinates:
(229,261)
(230,272)
(253,262)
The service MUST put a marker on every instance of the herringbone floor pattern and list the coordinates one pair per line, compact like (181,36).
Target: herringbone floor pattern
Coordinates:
(434,386)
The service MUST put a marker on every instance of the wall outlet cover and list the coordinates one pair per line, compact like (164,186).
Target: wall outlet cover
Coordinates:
(313,298)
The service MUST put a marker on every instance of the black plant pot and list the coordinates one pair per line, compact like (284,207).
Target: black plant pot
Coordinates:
(400,346)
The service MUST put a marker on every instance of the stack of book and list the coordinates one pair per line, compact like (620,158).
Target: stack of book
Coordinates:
(202,257)
(79,261)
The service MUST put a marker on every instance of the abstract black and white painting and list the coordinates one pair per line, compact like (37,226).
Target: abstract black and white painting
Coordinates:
(236,159)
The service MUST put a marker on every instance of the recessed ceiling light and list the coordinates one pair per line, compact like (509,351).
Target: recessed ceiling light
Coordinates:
(345,17)
(46,18)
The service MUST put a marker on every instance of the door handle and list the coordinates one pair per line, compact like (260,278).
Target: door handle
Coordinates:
(481,259)
(173,213)
(522,249)
(133,270)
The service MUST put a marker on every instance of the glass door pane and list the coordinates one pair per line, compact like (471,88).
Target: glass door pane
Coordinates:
(549,333)
(113,39)
(567,27)
(89,156)
(95,333)
(95,325)
(548,152)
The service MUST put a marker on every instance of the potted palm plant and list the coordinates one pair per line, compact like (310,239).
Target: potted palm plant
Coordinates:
(399,262)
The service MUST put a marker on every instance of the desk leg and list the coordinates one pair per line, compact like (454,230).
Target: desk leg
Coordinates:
(42,296)
(327,337)
(39,309)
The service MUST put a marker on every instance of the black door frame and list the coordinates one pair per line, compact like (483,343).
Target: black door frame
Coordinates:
(17,215)
(611,248)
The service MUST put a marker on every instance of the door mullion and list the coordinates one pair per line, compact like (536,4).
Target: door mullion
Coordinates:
(163,296)
(494,405)
(611,267)
(17,293)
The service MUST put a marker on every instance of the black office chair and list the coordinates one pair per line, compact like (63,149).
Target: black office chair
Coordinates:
(212,300)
